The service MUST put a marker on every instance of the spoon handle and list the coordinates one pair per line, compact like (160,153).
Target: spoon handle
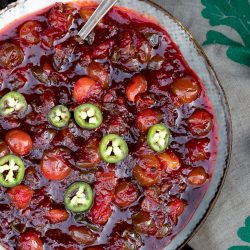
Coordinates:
(99,13)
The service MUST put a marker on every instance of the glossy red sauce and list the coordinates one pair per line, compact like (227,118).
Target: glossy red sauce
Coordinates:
(125,214)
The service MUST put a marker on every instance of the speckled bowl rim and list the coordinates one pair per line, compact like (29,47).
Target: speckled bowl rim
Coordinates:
(226,110)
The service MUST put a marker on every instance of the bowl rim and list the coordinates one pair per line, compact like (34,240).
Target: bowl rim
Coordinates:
(226,109)
(228,119)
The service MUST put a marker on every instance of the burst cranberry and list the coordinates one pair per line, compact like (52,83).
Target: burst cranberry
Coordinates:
(149,204)
(197,176)
(176,208)
(60,17)
(98,72)
(20,196)
(169,160)
(100,213)
(10,55)
(137,85)
(198,150)
(29,32)
(55,164)
(200,123)
(19,141)
(147,173)
(143,223)
(117,126)
(105,186)
(187,89)
(103,50)
(144,101)
(125,194)
(57,215)
(147,118)
(29,241)
(89,156)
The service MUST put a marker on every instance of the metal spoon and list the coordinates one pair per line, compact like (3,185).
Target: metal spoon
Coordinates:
(99,13)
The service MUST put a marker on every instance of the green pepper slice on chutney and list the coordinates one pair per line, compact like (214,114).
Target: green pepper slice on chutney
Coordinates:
(88,116)
(158,137)
(11,170)
(113,148)
(78,197)
(59,116)
(12,102)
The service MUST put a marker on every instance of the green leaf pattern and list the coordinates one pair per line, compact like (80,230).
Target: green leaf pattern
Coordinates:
(235,14)
(244,234)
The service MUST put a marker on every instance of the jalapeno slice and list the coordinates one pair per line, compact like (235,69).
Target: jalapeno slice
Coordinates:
(12,102)
(113,148)
(59,116)
(158,137)
(88,116)
(11,171)
(78,197)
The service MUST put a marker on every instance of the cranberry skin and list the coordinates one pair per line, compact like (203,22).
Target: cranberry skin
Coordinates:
(143,223)
(98,72)
(176,208)
(60,17)
(55,164)
(137,85)
(20,196)
(149,204)
(10,55)
(29,241)
(4,150)
(125,194)
(19,141)
(100,213)
(57,215)
(29,32)
(187,89)
(198,149)
(197,176)
(169,160)
(147,118)
(82,88)
(200,123)
(88,156)
(144,101)
(148,171)
(82,235)
(105,186)
(102,51)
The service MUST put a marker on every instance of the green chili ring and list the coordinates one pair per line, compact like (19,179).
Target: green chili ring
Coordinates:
(88,116)
(158,137)
(113,148)
(12,102)
(78,197)
(11,171)
(59,116)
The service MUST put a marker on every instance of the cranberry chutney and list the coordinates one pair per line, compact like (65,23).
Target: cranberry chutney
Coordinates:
(108,143)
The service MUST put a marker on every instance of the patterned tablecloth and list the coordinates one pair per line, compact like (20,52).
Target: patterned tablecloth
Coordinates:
(223,27)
